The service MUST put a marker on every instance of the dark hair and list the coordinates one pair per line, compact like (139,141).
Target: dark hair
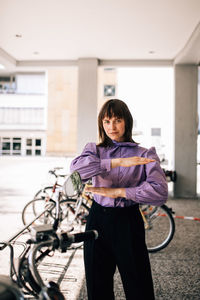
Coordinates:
(115,108)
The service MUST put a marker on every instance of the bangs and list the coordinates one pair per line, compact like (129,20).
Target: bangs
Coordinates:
(113,110)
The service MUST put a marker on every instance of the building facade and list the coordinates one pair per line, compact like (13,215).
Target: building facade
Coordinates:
(23,109)
(38,111)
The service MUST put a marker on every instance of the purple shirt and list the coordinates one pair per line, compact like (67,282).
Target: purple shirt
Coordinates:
(144,184)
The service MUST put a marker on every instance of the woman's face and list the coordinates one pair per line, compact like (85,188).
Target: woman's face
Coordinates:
(114,128)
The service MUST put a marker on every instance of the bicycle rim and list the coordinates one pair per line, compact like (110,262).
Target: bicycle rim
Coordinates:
(159,229)
(35,207)
(46,194)
(69,221)
(47,191)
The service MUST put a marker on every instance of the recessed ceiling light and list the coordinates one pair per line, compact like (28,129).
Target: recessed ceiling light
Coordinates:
(18,35)
(152,52)
(2,67)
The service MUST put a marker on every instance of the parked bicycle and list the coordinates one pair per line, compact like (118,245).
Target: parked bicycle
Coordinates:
(25,277)
(69,206)
(73,208)
(27,280)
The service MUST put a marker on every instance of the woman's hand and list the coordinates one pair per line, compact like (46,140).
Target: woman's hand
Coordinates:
(107,192)
(130,161)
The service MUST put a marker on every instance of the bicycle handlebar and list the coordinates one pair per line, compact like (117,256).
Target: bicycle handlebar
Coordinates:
(66,239)
(46,233)
(58,241)
(54,170)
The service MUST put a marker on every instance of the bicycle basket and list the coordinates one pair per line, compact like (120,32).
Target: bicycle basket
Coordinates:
(73,185)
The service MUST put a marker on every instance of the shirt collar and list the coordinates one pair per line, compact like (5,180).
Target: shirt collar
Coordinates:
(123,144)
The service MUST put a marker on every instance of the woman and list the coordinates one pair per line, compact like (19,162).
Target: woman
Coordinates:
(124,175)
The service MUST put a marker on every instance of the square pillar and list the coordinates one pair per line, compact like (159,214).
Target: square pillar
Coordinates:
(186,130)
(87,102)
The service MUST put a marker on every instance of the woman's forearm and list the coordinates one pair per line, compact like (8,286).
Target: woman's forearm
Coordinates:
(107,192)
(115,162)
(130,161)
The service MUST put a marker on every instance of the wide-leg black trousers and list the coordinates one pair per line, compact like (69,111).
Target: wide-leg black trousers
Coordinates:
(121,243)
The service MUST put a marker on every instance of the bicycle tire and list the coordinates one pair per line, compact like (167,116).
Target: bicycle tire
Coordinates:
(47,189)
(46,193)
(33,208)
(67,221)
(160,228)
(78,222)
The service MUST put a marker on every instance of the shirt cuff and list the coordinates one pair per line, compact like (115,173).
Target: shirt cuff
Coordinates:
(130,193)
(105,164)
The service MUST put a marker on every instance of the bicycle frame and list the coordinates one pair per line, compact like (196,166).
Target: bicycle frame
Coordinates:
(44,236)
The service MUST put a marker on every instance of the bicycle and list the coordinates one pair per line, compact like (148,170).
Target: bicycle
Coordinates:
(75,205)
(68,207)
(26,279)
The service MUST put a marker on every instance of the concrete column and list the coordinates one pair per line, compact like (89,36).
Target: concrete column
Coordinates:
(186,85)
(87,102)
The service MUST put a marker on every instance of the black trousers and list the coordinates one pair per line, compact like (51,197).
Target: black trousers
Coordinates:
(121,243)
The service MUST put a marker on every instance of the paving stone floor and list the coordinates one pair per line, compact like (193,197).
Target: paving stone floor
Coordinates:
(175,269)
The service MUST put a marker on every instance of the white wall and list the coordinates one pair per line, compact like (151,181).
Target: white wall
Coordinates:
(149,93)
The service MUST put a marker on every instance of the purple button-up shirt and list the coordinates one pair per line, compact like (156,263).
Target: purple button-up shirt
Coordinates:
(144,184)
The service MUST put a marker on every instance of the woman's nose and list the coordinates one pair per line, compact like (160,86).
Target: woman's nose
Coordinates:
(112,125)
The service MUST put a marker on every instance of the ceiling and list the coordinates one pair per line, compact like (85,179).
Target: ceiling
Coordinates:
(35,33)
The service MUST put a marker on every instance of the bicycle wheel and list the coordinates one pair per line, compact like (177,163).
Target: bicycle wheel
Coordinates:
(159,227)
(34,208)
(69,217)
(46,194)
(73,217)
(43,193)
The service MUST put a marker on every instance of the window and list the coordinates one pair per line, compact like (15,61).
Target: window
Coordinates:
(6,145)
(16,146)
(37,152)
(20,146)
(33,146)
(28,142)
(11,146)
(38,142)
(28,152)
(23,83)
(7,84)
